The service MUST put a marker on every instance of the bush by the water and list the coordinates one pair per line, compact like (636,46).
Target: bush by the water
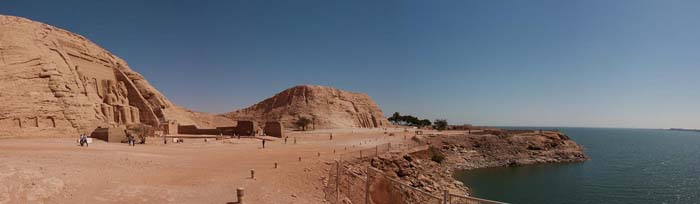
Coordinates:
(436,155)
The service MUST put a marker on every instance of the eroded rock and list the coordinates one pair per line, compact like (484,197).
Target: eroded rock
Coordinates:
(327,107)
(76,85)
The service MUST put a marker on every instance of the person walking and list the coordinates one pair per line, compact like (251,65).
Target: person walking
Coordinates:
(263,142)
(130,139)
(83,140)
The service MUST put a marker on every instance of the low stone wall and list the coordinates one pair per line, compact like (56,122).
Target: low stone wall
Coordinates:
(193,130)
(111,134)
(245,128)
(274,128)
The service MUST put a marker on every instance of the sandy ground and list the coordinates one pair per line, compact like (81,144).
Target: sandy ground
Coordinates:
(60,171)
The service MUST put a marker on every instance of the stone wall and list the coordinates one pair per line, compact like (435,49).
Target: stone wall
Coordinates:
(245,128)
(170,128)
(193,130)
(274,128)
(111,134)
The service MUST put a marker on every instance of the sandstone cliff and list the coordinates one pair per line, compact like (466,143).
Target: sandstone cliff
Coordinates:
(57,83)
(328,107)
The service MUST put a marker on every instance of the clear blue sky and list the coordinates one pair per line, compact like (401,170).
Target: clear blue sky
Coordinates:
(552,63)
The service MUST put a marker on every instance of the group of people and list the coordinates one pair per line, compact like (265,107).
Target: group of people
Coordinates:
(130,139)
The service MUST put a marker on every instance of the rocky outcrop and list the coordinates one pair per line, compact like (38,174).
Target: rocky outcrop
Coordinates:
(431,169)
(327,107)
(57,83)
(496,148)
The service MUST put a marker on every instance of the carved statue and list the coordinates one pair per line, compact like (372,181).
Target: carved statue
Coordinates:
(136,118)
(122,93)
(108,112)
(111,99)
(118,117)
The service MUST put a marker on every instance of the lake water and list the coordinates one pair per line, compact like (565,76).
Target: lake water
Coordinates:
(625,166)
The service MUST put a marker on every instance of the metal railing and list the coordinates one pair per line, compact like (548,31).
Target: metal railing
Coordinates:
(460,199)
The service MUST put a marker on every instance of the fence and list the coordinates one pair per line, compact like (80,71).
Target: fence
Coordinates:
(379,149)
(371,186)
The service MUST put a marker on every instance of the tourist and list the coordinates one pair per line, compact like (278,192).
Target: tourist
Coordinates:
(263,141)
(130,139)
(83,140)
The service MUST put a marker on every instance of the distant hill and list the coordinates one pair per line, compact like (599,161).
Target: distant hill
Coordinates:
(328,107)
(681,129)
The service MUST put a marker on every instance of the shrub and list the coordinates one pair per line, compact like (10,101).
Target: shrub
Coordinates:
(440,124)
(436,155)
(302,122)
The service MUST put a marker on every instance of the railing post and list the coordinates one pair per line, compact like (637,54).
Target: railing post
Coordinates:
(446,197)
(337,181)
(239,195)
(367,187)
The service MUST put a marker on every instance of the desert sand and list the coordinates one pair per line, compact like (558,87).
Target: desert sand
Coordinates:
(60,171)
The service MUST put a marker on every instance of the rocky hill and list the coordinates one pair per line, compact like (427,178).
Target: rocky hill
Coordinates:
(328,107)
(57,83)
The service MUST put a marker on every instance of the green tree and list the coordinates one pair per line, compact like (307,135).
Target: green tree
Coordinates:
(424,122)
(395,118)
(440,124)
(302,122)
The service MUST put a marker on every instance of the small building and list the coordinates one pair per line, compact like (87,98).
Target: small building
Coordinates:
(274,128)
(170,128)
(110,134)
(245,128)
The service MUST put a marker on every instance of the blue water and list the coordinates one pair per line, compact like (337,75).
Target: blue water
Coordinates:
(625,166)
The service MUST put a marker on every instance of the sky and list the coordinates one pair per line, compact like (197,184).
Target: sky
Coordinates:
(587,63)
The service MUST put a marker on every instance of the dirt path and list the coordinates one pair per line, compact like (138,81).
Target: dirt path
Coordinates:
(59,171)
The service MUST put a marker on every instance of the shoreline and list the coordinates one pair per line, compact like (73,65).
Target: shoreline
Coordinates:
(433,169)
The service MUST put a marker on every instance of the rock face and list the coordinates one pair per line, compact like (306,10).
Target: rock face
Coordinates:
(493,148)
(327,107)
(431,168)
(57,83)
